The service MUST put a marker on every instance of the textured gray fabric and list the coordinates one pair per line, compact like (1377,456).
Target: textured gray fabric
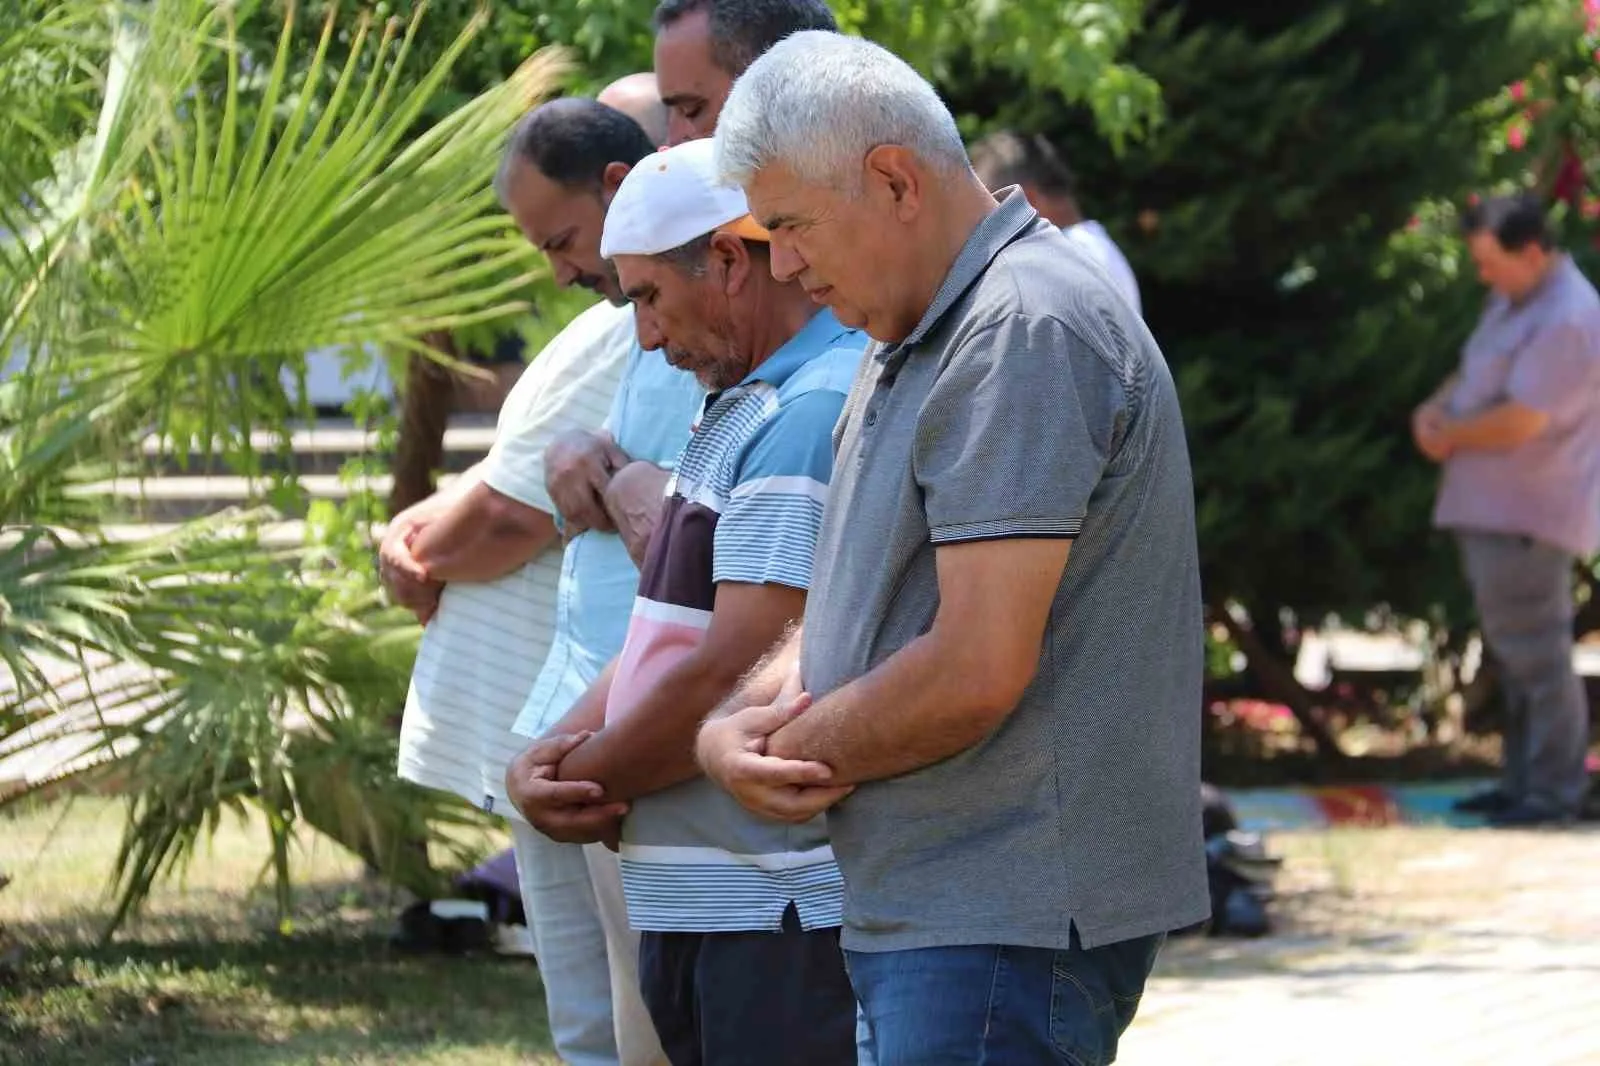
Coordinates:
(1031,401)
(1523,591)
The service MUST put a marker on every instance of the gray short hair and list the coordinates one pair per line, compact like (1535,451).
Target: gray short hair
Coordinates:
(819,102)
(690,257)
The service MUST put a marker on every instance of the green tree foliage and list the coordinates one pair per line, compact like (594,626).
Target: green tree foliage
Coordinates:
(1268,223)
(190,221)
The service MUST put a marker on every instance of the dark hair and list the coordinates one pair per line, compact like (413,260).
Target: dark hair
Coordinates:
(1007,158)
(742,30)
(1515,221)
(571,141)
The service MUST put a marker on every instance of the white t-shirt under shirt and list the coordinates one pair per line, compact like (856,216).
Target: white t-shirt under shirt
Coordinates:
(1093,239)
(481,651)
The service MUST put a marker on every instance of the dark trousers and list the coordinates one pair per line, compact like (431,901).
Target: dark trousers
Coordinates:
(750,999)
(994,1005)
(1523,592)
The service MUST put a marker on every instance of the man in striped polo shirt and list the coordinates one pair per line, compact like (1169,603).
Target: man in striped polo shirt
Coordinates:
(738,915)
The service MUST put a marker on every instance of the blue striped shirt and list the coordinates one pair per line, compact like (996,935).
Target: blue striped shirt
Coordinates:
(744,505)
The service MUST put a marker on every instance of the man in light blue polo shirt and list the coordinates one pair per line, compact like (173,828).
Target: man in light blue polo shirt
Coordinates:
(561,170)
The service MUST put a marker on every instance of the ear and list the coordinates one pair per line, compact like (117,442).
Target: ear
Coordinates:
(733,259)
(611,179)
(892,171)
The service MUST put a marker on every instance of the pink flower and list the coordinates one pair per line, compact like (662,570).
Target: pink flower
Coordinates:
(1516,137)
(1591,207)
(1415,223)
(1519,91)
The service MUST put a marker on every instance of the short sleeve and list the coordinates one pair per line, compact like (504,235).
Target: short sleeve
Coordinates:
(1015,434)
(767,533)
(569,385)
(1558,371)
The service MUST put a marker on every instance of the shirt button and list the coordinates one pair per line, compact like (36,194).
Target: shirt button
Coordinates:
(872,418)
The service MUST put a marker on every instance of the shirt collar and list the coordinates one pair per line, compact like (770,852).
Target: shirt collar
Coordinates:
(1002,226)
(815,337)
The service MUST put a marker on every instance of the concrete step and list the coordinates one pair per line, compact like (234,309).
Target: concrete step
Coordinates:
(323,447)
(173,498)
(288,533)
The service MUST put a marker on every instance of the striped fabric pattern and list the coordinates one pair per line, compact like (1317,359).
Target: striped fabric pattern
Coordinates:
(481,652)
(744,505)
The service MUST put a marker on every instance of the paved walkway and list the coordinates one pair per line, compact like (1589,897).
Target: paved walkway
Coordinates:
(1398,947)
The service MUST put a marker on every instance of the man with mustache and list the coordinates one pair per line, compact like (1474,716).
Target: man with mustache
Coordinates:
(738,915)
(474,563)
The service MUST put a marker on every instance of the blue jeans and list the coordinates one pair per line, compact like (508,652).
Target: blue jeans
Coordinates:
(993,1005)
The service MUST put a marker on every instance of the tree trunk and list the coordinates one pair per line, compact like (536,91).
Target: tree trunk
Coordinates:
(1279,683)
(425,406)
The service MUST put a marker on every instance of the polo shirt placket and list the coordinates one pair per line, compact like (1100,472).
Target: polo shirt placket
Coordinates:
(1029,402)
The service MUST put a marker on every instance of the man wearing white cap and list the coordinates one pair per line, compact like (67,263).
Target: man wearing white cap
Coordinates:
(738,915)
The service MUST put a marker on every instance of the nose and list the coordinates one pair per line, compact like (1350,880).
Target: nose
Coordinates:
(565,272)
(786,262)
(678,129)
(650,336)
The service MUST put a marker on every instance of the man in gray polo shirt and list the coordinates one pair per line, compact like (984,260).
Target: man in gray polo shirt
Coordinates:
(1517,433)
(1020,731)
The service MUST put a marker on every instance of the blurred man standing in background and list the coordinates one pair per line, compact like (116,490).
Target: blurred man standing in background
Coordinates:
(1516,431)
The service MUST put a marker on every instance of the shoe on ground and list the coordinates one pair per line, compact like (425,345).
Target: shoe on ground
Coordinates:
(1529,816)
(513,940)
(1489,801)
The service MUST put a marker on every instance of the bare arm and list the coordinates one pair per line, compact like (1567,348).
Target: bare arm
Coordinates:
(480,536)
(948,689)
(405,579)
(633,498)
(1501,427)
(653,746)
(777,675)
(588,714)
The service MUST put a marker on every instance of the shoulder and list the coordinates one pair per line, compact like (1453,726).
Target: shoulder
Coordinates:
(833,369)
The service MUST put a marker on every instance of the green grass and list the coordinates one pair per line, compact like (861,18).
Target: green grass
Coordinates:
(206,975)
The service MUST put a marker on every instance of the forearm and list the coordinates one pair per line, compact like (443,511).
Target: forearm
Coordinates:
(653,747)
(922,705)
(765,682)
(1503,426)
(588,713)
(480,538)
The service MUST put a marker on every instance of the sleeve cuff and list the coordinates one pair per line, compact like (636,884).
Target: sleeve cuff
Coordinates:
(1008,529)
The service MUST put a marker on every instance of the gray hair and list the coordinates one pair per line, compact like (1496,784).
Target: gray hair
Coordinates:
(819,102)
(690,257)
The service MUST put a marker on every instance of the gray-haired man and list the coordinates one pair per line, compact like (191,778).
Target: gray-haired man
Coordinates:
(1021,731)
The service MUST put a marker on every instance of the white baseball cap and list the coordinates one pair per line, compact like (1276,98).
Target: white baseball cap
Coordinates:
(670,198)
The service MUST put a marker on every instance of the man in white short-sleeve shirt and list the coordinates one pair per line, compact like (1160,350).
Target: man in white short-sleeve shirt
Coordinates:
(474,564)
(1007,158)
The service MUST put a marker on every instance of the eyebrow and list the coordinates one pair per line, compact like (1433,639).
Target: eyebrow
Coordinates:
(772,222)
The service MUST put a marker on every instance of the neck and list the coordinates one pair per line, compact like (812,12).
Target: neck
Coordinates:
(961,207)
(778,311)
(1539,279)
